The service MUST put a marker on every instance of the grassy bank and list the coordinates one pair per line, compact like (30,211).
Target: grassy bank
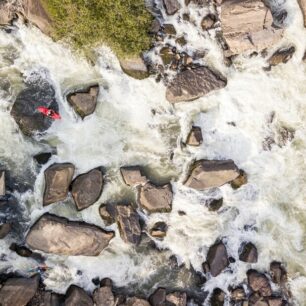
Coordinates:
(121,24)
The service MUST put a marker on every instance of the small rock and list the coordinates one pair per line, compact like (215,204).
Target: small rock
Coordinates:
(107,213)
(167,55)
(155,27)
(171,6)
(18,291)
(181,41)
(23,251)
(242,179)
(278,273)
(177,298)
(186,17)
(214,204)
(195,137)
(208,21)
(217,298)
(87,188)
(192,84)
(276,301)
(135,68)
(42,158)
(217,258)
(181,213)
(132,176)
(158,298)
(76,296)
(57,235)
(57,180)
(155,198)
(84,102)
(5,228)
(211,173)
(128,224)
(249,253)
(159,230)
(281,56)
(2,183)
(104,297)
(134,301)
(259,283)
(169,29)
(106,282)
(238,294)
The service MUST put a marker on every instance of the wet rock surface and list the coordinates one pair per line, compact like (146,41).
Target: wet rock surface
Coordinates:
(302,4)
(192,84)
(171,6)
(84,101)
(211,173)
(87,188)
(281,56)
(76,296)
(135,68)
(132,176)
(248,253)
(177,298)
(57,181)
(107,213)
(52,234)
(2,183)
(195,137)
(38,92)
(155,198)
(259,283)
(159,230)
(136,302)
(104,296)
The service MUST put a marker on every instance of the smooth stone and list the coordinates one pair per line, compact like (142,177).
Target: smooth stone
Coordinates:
(248,253)
(135,68)
(132,176)
(104,296)
(76,296)
(171,6)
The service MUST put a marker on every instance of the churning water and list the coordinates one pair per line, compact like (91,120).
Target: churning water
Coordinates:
(135,125)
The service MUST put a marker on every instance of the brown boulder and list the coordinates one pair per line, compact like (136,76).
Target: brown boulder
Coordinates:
(5,228)
(132,176)
(195,137)
(247,26)
(278,273)
(208,21)
(134,301)
(302,4)
(158,297)
(76,296)
(57,180)
(211,173)
(238,294)
(259,283)
(84,102)
(192,84)
(248,253)
(134,67)
(159,230)
(281,56)
(242,179)
(171,6)
(87,188)
(217,258)
(217,298)
(18,291)
(2,183)
(53,234)
(155,198)
(276,301)
(104,297)
(128,224)
(177,299)
(107,213)
(7,13)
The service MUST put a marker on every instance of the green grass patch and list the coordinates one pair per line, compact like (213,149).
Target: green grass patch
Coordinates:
(123,25)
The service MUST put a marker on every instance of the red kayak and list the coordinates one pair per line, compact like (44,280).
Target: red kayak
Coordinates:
(48,112)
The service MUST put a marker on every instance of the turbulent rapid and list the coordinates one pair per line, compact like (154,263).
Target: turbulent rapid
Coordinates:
(133,124)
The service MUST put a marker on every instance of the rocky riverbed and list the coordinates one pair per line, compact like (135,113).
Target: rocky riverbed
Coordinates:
(173,178)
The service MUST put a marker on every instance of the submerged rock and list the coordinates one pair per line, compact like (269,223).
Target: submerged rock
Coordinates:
(155,198)
(18,291)
(208,21)
(281,56)
(37,93)
(171,6)
(247,26)
(158,297)
(84,102)
(76,296)
(248,253)
(104,296)
(128,224)
(192,84)
(132,176)
(211,173)
(135,68)
(87,188)
(2,183)
(259,283)
(5,229)
(57,181)
(214,204)
(217,258)
(217,298)
(57,235)
(242,179)
(159,230)
(195,137)
(42,158)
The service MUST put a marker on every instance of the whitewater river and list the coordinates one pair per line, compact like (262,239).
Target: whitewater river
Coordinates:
(135,125)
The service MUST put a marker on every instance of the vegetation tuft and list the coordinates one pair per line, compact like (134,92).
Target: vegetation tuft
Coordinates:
(121,24)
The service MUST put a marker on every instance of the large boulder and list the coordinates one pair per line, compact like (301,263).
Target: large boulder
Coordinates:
(132,176)
(87,188)
(134,301)
(171,6)
(155,198)
(104,296)
(217,258)
(56,235)
(76,296)
(128,224)
(259,283)
(192,84)
(217,297)
(135,67)
(84,101)
(302,4)
(18,291)
(38,92)
(158,297)
(211,173)
(247,26)
(57,181)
